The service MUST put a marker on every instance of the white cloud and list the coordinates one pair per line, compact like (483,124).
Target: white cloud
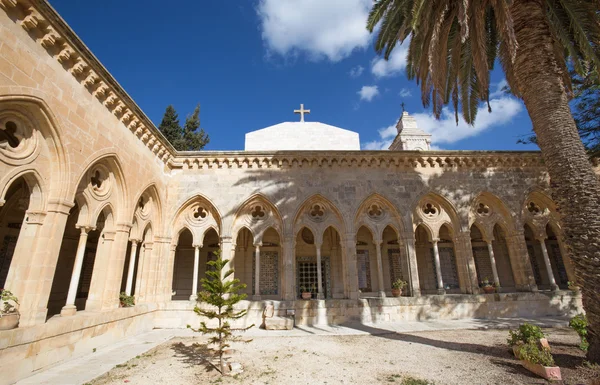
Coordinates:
(356,71)
(405,93)
(331,29)
(499,89)
(368,92)
(445,130)
(397,62)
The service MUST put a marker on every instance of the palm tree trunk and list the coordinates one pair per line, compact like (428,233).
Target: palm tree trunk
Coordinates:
(575,187)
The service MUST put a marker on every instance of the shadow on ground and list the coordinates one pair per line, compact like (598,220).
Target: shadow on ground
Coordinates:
(194,355)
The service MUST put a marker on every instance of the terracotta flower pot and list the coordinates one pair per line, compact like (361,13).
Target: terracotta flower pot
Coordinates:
(547,372)
(306,295)
(489,289)
(396,292)
(9,321)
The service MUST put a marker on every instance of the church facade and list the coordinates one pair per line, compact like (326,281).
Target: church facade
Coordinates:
(95,202)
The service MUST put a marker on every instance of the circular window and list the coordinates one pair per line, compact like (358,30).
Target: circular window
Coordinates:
(258,213)
(375,212)
(18,141)
(99,182)
(533,208)
(483,210)
(317,212)
(430,210)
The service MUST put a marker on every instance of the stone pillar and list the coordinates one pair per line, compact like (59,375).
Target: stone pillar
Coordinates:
(69,308)
(169,271)
(519,260)
(145,277)
(413,271)
(115,266)
(553,285)
(438,267)
(381,292)
(162,290)
(319,272)
(493,263)
(194,294)
(33,265)
(256,296)
(289,282)
(101,272)
(351,288)
(228,253)
(466,263)
(132,258)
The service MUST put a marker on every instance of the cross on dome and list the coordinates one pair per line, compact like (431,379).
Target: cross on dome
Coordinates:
(302,111)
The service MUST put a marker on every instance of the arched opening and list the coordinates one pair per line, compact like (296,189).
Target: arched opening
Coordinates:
(425,261)
(395,263)
(483,264)
(448,260)
(269,281)
(503,264)
(556,259)
(244,260)
(536,259)
(366,262)
(142,254)
(12,218)
(185,286)
(74,270)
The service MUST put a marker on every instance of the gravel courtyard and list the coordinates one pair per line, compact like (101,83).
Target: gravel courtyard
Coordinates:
(440,357)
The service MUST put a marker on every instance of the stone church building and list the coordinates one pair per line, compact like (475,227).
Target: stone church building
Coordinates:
(94,202)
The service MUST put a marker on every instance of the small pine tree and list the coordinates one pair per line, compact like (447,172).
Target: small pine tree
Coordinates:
(193,139)
(169,126)
(221,293)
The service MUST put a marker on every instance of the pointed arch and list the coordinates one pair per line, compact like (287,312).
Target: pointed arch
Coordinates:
(199,215)
(487,210)
(434,210)
(257,213)
(148,195)
(35,184)
(318,213)
(377,212)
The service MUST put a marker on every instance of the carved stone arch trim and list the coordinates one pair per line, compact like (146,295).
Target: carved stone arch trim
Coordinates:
(428,230)
(447,213)
(318,227)
(177,234)
(240,229)
(246,215)
(100,209)
(499,212)
(542,210)
(390,216)
(38,191)
(198,214)
(51,129)
(156,214)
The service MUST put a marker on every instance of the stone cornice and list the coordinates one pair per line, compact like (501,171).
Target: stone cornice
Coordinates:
(398,159)
(44,24)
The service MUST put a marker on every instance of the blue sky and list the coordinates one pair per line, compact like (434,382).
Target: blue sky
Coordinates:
(251,63)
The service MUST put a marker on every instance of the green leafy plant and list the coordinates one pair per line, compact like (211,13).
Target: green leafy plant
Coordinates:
(579,323)
(572,285)
(524,334)
(126,300)
(220,293)
(10,302)
(399,284)
(532,352)
(486,283)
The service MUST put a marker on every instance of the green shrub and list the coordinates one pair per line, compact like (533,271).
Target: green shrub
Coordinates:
(532,352)
(126,300)
(525,334)
(8,307)
(579,323)
(399,284)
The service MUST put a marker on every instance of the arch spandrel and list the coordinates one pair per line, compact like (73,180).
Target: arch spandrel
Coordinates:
(147,209)
(487,210)
(376,213)
(257,214)
(433,210)
(539,210)
(199,215)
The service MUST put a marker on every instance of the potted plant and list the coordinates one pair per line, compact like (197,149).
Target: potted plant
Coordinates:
(525,334)
(126,300)
(397,287)
(9,313)
(305,293)
(573,286)
(538,359)
(488,287)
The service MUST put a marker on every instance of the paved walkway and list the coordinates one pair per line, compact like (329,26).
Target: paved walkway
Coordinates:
(84,369)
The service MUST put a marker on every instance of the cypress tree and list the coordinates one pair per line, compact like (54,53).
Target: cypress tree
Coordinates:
(193,139)
(169,126)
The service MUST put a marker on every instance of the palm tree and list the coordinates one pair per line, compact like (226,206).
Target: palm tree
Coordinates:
(453,47)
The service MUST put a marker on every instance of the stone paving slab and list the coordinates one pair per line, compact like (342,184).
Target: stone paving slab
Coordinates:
(84,369)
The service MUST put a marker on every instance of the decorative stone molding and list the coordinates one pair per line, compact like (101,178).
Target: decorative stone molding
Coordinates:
(370,159)
(52,33)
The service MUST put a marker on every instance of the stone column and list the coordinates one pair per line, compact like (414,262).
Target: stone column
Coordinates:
(289,282)
(194,294)
(519,260)
(101,277)
(493,263)
(69,308)
(228,253)
(381,285)
(145,276)
(413,271)
(132,257)
(351,266)
(553,285)
(438,267)
(319,272)
(162,290)
(256,296)
(115,267)
(169,271)
(33,265)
